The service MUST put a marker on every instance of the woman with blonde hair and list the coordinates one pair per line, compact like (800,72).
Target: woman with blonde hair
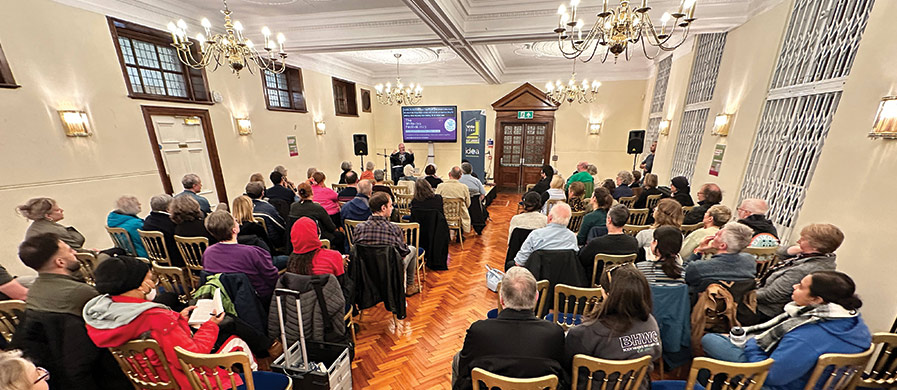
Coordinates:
(125,216)
(556,191)
(667,213)
(18,373)
(253,233)
(46,214)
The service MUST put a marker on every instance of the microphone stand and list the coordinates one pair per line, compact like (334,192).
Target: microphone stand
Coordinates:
(386,169)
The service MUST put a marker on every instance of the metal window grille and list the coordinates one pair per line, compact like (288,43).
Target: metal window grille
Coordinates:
(820,44)
(652,132)
(706,67)
(660,84)
(689,144)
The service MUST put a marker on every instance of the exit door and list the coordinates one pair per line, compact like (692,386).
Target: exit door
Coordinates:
(524,147)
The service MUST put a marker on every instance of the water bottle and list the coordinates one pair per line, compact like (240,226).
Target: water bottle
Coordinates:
(738,336)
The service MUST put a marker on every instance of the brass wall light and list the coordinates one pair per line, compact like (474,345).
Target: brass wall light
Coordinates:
(721,124)
(244,126)
(595,127)
(663,128)
(320,127)
(885,125)
(75,123)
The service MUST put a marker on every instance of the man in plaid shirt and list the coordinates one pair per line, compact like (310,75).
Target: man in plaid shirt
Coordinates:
(377,230)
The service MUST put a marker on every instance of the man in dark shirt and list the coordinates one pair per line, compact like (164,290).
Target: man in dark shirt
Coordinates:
(278,191)
(615,242)
(357,209)
(752,212)
(648,163)
(351,187)
(545,183)
(159,220)
(380,184)
(708,196)
(274,223)
(10,288)
(728,262)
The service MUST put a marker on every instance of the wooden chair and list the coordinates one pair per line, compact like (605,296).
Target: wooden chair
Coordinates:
(121,239)
(638,216)
(766,258)
(261,221)
(202,369)
(491,380)
(454,210)
(846,370)
(652,201)
(411,232)
(609,261)
(627,201)
(173,279)
(138,367)
(551,202)
(350,323)
(10,315)
(88,262)
(350,225)
(882,374)
(403,204)
(687,229)
(632,230)
(541,289)
(562,307)
(529,187)
(192,249)
(156,250)
(325,243)
(396,190)
(617,374)
(735,376)
(686,209)
(576,221)
(338,187)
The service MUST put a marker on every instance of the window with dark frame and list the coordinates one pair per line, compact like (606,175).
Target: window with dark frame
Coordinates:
(284,91)
(151,66)
(6,79)
(344,97)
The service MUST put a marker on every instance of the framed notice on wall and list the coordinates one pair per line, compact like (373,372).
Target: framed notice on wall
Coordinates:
(717,161)
(292,145)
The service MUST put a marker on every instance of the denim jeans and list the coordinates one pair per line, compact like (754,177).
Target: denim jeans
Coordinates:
(719,347)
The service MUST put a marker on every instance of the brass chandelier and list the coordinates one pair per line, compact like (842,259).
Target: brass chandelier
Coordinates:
(572,91)
(615,29)
(401,94)
(230,48)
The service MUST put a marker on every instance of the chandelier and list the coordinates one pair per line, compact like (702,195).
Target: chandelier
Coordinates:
(616,28)
(572,91)
(401,94)
(230,48)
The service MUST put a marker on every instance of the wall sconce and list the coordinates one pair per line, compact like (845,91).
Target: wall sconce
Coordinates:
(595,127)
(320,127)
(75,123)
(663,128)
(244,126)
(885,125)
(721,124)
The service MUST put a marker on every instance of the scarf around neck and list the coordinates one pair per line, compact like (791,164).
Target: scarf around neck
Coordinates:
(771,332)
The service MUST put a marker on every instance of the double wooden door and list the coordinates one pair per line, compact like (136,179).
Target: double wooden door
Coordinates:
(523,149)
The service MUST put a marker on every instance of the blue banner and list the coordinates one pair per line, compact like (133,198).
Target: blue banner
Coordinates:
(473,141)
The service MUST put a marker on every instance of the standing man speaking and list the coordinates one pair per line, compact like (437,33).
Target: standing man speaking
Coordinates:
(398,159)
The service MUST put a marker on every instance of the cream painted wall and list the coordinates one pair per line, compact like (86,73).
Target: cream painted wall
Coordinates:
(68,61)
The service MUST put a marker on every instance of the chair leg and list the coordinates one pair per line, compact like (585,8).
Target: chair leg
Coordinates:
(461,237)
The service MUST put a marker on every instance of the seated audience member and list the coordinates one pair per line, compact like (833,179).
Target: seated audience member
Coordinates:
(425,197)
(58,287)
(531,218)
(310,173)
(667,213)
(377,230)
(600,202)
(308,257)
(351,181)
(554,236)
(46,214)
(577,191)
(815,251)
(10,288)
(326,197)
(715,218)
(624,179)
(555,192)
(821,318)
(18,373)
(728,263)
(125,216)
(286,181)
(650,188)
(306,207)
(192,186)
(544,183)
(752,212)
(667,266)
(593,170)
(266,211)
(368,173)
(495,344)
(615,242)
(620,328)
(708,196)
(279,189)
(257,177)
(610,185)
(188,219)
(357,209)
(473,184)
(636,179)
(681,192)
(583,176)
(253,233)
(380,184)
(454,189)
(346,167)
(227,256)
(430,171)
(407,180)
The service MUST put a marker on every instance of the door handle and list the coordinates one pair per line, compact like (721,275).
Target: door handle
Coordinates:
(183,145)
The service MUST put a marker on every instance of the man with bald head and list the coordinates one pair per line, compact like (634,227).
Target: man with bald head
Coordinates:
(453,188)
(752,212)
(708,196)
(399,159)
(554,236)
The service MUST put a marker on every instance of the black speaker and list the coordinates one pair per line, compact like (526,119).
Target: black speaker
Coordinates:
(636,142)
(361,144)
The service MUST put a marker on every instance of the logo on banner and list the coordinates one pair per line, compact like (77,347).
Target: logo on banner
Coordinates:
(472,136)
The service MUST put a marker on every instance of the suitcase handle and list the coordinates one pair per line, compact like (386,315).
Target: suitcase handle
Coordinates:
(282,291)
(288,361)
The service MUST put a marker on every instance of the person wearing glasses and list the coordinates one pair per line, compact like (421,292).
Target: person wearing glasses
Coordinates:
(752,212)
(18,373)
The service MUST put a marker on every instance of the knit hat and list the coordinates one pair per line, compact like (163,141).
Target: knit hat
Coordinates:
(120,274)
(304,235)
(680,182)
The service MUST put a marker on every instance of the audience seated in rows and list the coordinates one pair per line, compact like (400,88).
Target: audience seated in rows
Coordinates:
(11,287)
(357,209)
(189,219)
(274,223)
(45,215)
(624,179)
(649,189)
(345,167)
(368,173)
(554,236)
(576,192)
(473,184)
(125,216)
(351,182)
(556,192)
(407,180)
(531,218)
(228,256)
(427,209)
(326,197)
(667,265)
(286,180)
(381,185)
(821,318)
(681,192)
(728,262)
(279,190)
(252,233)
(583,176)
(615,242)
(452,188)
(517,343)
(377,230)
(18,373)
(306,207)
(667,213)
(309,257)
(192,186)
(430,171)
(708,196)
(752,212)
(425,198)
(600,202)
(159,220)
(715,218)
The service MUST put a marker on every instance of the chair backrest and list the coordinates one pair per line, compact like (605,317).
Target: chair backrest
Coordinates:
(565,309)
(651,201)
(627,201)
(551,202)
(403,203)
(396,189)
(491,380)
(844,369)
(687,229)
(454,209)
(10,315)
(632,230)
(88,263)
(191,249)
(629,374)
(609,261)
(541,289)
(411,232)
(882,374)
(156,250)
(338,187)
(729,376)
(529,187)
(261,221)
(350,225)
(121,239)
(203,370)
(173,279)
(576,221)
(325,243)
(686,209)
(638,216)
(766,258)
(138,367)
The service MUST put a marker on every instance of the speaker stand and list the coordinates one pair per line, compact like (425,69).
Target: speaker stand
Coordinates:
(362,163)
(431,154)
(634,160)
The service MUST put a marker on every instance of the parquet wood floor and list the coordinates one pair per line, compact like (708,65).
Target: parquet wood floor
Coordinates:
(417,352)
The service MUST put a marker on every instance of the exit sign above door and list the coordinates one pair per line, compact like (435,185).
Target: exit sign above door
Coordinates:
(524,115)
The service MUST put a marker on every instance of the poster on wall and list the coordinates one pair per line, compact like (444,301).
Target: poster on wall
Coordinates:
(473,143)
(718,153)
(292,145)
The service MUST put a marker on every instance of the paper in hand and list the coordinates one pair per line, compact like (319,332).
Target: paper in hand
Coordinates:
(204,309)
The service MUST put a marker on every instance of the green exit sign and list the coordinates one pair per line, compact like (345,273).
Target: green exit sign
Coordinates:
(524,115)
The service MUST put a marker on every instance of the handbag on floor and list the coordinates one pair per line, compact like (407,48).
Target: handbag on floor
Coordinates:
(493,277)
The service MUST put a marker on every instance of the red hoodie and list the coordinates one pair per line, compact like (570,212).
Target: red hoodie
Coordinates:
(304,236)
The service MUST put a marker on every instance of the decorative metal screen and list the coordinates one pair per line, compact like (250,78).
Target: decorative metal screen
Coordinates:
(690,134)
(652,132)
(820,44)
(706,67)
(660,85)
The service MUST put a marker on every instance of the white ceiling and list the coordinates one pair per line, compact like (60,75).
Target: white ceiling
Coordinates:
(443,42)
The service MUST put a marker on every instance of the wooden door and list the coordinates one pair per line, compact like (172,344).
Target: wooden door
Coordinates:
(184,151)
(523,148)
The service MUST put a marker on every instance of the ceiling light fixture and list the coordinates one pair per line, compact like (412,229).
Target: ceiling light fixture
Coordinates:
(572,91)
(616,28)
(230,48)
(400,95)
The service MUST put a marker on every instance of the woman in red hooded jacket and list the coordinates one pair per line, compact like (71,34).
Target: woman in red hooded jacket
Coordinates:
(308,257)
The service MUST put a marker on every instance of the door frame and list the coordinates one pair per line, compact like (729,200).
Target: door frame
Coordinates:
(524,98)
(208,134)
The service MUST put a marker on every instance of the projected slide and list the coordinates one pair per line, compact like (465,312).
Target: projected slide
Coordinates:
(430,124)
